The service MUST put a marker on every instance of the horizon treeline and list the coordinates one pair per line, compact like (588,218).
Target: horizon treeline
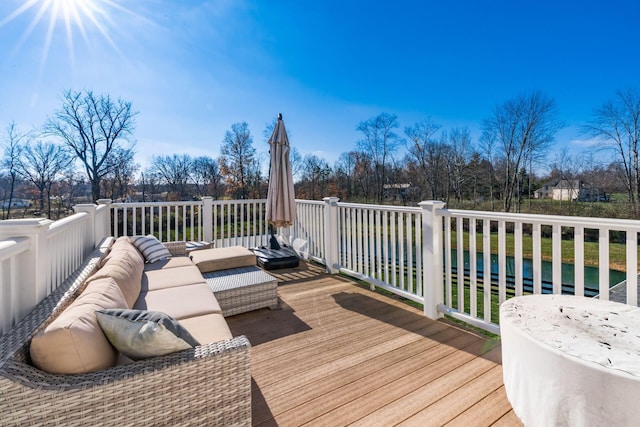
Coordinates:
(85,151)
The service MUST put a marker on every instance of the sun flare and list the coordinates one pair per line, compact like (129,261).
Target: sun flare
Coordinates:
(76,17)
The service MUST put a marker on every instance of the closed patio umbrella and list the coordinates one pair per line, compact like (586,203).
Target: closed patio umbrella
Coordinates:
(281,206)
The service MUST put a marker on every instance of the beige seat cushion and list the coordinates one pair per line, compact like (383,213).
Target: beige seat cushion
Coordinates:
(124,264)
(181,302)
(207,328)
(74,343)
(171,278)
(223,258)
(176,261)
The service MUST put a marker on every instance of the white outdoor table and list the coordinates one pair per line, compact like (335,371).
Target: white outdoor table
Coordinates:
(571,361)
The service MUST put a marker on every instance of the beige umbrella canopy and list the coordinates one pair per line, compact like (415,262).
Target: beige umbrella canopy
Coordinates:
(281,206)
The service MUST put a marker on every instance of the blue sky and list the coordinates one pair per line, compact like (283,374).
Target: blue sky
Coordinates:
(193,68)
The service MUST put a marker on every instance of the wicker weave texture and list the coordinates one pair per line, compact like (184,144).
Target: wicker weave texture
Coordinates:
(176,248)
(243,289)
(208,385)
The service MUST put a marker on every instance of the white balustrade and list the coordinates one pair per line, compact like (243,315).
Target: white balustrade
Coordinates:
(415,252)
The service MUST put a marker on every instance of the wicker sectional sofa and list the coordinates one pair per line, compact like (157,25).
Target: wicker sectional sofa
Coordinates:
(209,384)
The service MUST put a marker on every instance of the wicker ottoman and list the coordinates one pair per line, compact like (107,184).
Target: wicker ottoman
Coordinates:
(243,289)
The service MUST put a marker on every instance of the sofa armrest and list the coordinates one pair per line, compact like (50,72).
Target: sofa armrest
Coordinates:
(207,385)
(176,248)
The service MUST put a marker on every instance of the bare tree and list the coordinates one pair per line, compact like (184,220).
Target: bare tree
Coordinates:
(459,140)
(520,128)
(315,176)
(94,128)
(11,161)
(118,181)
(206,175)
(380,142)
(42,164)
(237,158)
(344,171)
(297,162)
(426,154)
(617,124)
(149,185)
(363,175)
(69,187)
(175,172)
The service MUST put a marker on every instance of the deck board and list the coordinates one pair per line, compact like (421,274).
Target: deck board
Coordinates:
(336,353)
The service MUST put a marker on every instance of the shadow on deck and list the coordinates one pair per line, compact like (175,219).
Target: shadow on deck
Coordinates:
(335,353)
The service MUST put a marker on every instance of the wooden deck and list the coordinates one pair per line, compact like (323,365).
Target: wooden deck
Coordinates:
(336,353)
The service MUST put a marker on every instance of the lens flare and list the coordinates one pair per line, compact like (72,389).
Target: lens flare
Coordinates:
(75,16)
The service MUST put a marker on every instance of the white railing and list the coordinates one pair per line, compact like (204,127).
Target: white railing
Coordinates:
(412,252)
(223,222)
(12,306)
(239,223)
(36,256)
(66,248)
(308,232)
(471,295)
(169,221)
(383,245)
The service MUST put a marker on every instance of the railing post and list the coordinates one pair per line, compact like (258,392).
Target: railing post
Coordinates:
(33,266)
(331,232)
(90,231)
(103,226)
(432,257)
(207,218)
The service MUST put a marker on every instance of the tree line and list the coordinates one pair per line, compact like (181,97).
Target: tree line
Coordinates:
(425,161)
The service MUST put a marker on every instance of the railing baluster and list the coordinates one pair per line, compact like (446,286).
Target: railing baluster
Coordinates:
(502,261)
(517,257)
(371,257)
(537,259)
(486,257)
(385,245)
(410,259)
(632,267)
(473,273)
(460,262)
(557,258)
(394,248)
(578,250)
(143,231)
(418,240)
(359,251)
(134,221)
(603,258)
(448,264)
(401,258)
(125,218)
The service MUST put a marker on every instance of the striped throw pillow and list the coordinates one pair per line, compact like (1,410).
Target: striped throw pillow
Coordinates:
(151,248)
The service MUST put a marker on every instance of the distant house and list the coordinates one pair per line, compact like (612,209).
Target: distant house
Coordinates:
(396,192)
(565,189)
(16,203)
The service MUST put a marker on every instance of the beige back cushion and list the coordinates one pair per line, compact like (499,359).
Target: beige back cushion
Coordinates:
(74,342)
(216,259)
(124,264)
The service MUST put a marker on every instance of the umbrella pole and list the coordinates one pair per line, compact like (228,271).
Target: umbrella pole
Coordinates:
(273,242)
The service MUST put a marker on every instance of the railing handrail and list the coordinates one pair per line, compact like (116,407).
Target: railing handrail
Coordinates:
(59,225)
(388,208)
(147,204)
(587,222)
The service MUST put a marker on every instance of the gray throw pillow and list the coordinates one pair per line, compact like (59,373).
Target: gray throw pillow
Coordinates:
(151,248)
(139,334)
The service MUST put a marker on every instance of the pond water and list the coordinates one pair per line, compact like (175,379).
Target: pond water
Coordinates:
(591,274)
